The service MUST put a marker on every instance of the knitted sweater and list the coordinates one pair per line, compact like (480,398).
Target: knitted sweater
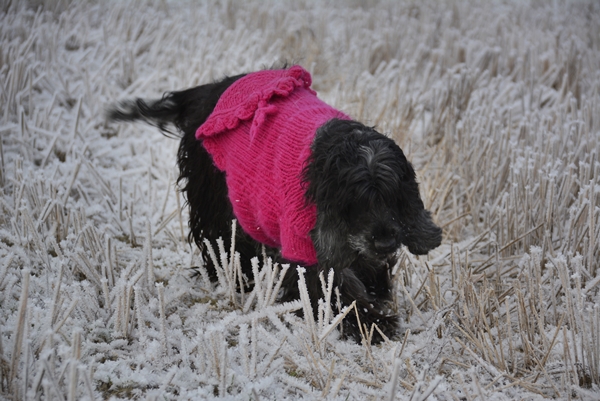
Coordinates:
(260,134)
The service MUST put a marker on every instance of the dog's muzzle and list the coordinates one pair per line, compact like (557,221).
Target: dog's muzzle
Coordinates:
(381,251)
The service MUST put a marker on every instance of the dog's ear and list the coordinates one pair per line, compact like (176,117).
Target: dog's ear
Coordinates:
(330,152)
(422,235)
(330,238)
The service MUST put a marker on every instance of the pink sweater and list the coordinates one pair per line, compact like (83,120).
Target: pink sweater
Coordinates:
(260,135)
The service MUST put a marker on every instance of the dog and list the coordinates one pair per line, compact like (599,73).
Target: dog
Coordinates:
(305,182)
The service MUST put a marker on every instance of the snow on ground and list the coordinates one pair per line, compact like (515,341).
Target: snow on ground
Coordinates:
(496,103)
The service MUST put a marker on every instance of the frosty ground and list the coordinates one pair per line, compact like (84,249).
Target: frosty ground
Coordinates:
(497,104)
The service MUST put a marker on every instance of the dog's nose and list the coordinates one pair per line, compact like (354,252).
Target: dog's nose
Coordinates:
(385,244)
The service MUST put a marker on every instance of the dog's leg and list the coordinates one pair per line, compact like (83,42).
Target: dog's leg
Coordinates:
(371,308)
(371,288)
(356,280)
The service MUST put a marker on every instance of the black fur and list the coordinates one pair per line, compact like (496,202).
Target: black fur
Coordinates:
(365,191)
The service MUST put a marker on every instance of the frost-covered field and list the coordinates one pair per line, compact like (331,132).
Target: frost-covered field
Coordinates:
(497,105)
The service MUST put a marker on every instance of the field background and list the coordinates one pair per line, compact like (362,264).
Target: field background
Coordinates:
(497,104)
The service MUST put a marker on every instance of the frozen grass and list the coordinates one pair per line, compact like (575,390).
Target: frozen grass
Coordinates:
(497,104)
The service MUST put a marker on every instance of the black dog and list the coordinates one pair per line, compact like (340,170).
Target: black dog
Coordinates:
(366,196)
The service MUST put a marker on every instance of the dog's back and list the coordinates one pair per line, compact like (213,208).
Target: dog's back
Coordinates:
(203,185)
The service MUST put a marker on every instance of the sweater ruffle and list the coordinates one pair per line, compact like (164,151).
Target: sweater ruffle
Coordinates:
(244,102)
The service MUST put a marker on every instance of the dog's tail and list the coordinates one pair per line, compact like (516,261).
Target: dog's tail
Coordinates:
(184,110)
(158,112)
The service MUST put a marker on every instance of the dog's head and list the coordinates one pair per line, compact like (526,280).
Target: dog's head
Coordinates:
(366,195)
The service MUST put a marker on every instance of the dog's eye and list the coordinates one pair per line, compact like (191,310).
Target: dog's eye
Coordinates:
(354,210)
